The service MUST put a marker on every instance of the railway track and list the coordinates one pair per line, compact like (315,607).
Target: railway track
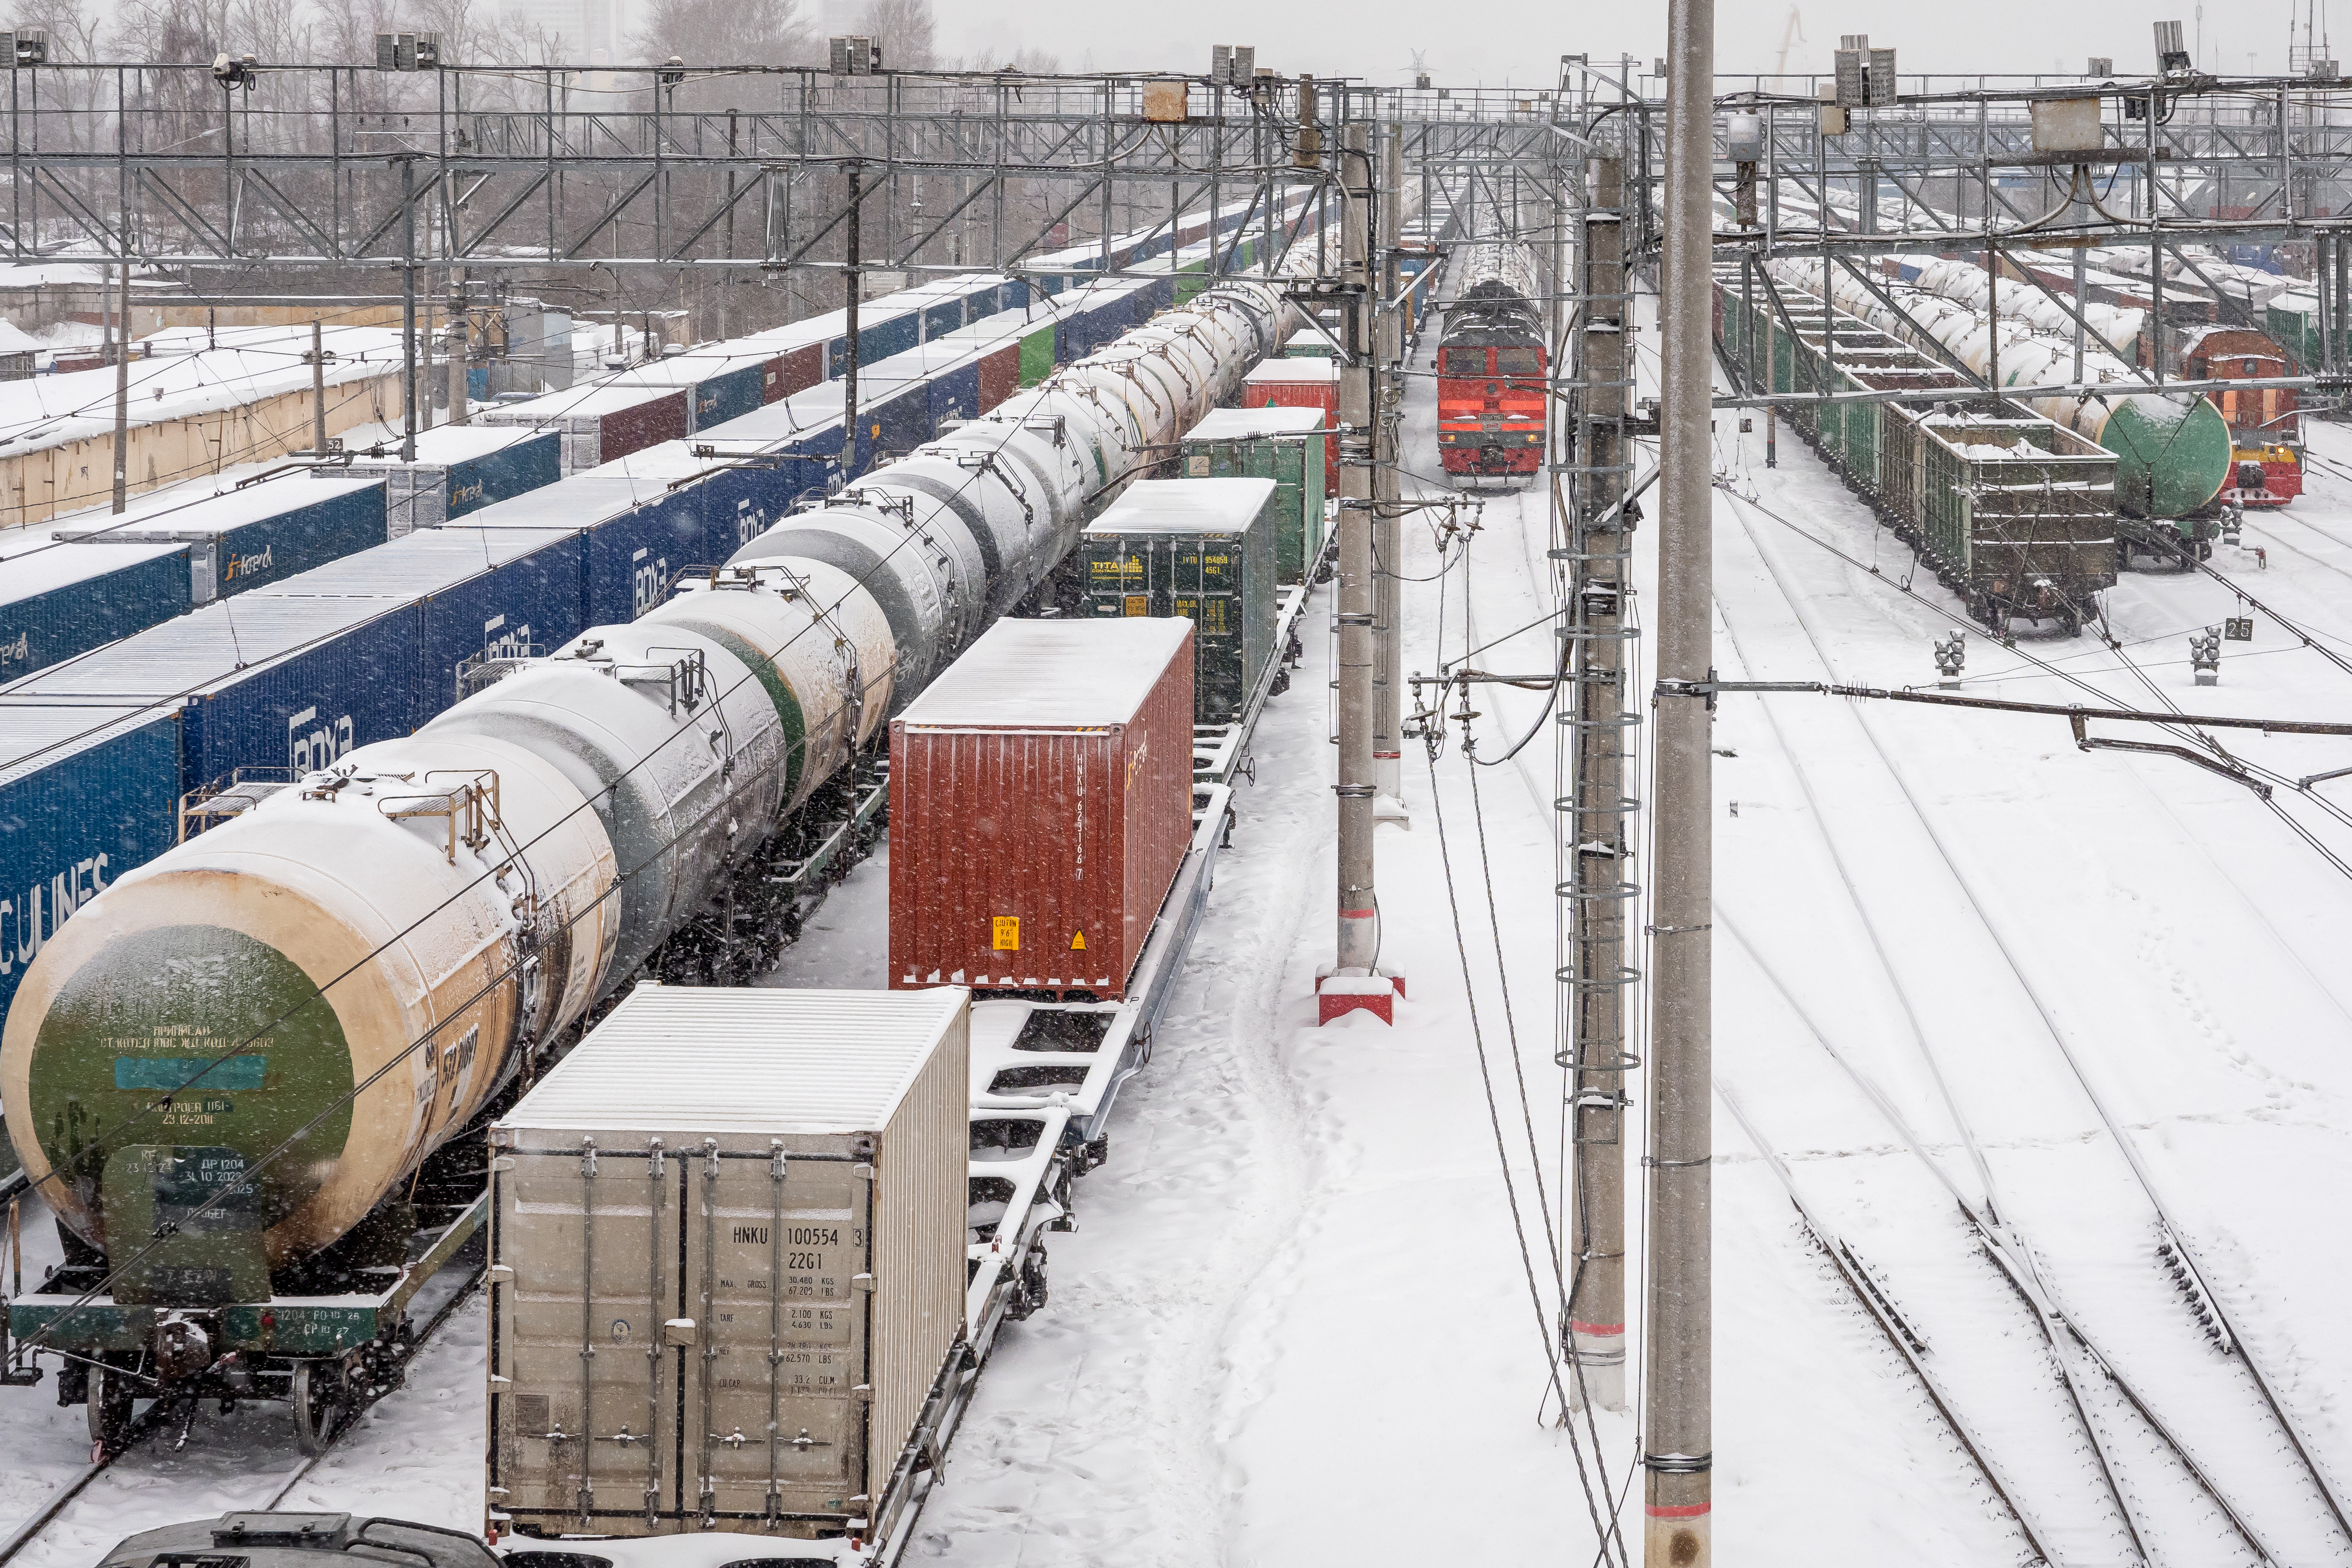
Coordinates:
(463,1278)
(2137,1430)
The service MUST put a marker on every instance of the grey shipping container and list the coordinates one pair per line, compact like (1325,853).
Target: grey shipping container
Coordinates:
(1285,445)
(730,1225)
(459,470)
(1201,549)
(60,600)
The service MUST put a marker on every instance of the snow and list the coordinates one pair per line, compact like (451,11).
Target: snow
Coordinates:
(1294,1325)
(1241,424)
(1053,673)
(1186,506)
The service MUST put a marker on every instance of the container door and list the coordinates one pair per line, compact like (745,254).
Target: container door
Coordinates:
(778,1259)
(584,1430)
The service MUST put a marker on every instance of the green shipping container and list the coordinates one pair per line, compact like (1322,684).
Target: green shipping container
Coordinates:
(1037,355)
(1285,445)
(1201,549)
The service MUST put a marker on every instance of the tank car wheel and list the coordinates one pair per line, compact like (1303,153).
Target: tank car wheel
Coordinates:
(111,1392)
(322,1405)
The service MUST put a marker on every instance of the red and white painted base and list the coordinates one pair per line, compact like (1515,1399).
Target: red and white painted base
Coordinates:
(1342,991)
(1599,1379)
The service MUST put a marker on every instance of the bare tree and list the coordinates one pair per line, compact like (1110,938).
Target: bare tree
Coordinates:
(723,32)
(905,29)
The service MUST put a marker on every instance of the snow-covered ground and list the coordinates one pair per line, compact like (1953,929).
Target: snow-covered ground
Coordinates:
(1295,1325)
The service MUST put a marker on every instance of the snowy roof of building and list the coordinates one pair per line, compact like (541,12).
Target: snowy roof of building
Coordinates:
(1186,506)
(1059,674)
(1237,424)
(718,1058)
(180,377)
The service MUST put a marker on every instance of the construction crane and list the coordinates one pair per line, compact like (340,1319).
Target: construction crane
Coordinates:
(1794,33)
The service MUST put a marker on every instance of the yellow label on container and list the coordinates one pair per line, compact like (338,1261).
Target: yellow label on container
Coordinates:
(1079,942)
(1008,933)
(1137,605)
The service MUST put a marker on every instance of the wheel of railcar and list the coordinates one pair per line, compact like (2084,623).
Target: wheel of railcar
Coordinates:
(319,1404)
(110,1408)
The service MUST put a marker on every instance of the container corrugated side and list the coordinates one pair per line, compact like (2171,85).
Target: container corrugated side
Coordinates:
(720,1217)
(63,600)
(86,794)
(1035,858)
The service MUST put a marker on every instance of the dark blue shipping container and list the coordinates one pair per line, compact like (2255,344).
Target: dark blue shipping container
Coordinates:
(60,600)
(261,681)
(944,317)
(459,470)
(728,396)
(86,794)
(252,536)
(479,591)
(899,422)
(954,393)
(893,335)
(515,468)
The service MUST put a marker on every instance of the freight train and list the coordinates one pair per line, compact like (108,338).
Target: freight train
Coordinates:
(231,1070)
(2172,450)
(1492,367)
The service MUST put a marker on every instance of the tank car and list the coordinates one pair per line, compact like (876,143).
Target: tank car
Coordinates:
(231,1074)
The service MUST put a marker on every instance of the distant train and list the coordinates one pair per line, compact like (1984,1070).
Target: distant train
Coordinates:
(1492,367)
(2266,422)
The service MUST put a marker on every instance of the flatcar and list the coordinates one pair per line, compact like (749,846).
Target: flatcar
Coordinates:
(1491,368)
(2266,422)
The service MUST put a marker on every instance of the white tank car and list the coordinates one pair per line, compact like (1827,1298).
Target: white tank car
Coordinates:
(410,923)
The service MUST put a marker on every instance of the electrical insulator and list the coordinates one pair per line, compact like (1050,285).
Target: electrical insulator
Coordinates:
(1949,657)
(2205,655)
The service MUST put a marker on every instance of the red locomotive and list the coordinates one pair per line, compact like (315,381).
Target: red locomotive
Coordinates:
(2265,428)
(1491,368)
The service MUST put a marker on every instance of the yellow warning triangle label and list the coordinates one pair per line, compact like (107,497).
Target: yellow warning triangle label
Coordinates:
(1079,942)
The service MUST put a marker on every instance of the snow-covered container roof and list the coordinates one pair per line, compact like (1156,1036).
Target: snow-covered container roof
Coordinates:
(34,736)
(719,1059)
(380,443)
(1186,506)
(408,568)
(1241,424)
(207,507)
(1062,674)
(1303,369)
(40,565)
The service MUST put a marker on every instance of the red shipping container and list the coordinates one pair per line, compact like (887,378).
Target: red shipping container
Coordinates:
(1041,804)
(795,372)
(999,375)
(1302,382)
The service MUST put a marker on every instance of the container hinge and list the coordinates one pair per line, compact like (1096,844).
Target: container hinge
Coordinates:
(861,1282)
(502,1162)
(861,1391)
(861,1172)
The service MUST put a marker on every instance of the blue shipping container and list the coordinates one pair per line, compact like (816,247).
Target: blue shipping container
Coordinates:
(60,600)
(86,794)
(944,317)
(252,535)
(728,396)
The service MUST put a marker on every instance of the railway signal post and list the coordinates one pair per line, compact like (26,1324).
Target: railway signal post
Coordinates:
(1678,1436)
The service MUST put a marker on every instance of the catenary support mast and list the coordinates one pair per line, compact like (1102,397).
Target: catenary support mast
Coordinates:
(1357,611)
(1678,1442)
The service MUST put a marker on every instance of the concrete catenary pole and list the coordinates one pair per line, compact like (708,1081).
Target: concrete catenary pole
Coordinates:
(122,381)
(850,371)
(317,388)
(1600,732)
(408,308)
(1387,681)
(1678,1442)
(1357,613)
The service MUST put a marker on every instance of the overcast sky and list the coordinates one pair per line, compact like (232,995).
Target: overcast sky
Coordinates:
(1519,42)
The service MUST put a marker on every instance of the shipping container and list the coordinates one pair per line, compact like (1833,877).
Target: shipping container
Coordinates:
(480,594)
(730,393)
(600,423)
(1285,445)
(1204,550)
(730,1227)
(245,531)
(261,681)
(60,600)
(1299,383)
(637,531)
(1000,374)
(87,793)
(458,469)
(1040,806)
(795,370)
